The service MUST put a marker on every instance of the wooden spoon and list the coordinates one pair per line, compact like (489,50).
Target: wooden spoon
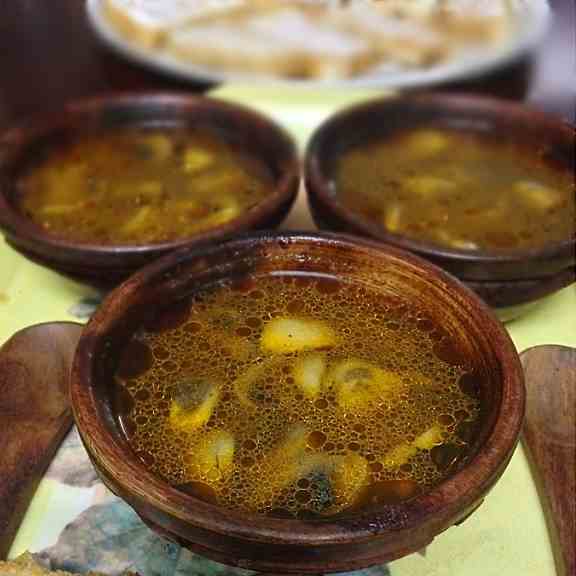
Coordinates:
(35,414)
(550,441)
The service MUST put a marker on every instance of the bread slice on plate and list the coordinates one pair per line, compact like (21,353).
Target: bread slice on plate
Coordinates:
(405,41)
(282,39)
(146,22)
(406,9)
(477,21)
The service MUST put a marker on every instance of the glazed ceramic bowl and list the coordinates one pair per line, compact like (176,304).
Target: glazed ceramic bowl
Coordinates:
(503,279)
(279,545)
(107,265)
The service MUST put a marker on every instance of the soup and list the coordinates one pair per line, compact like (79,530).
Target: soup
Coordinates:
(137,186)
(457,190)
(297,396)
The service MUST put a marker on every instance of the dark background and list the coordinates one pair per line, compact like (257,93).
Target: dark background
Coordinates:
(48,55)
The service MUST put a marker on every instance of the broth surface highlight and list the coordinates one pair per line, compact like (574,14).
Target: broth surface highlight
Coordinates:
(458,190)
(137,186)
(296,396)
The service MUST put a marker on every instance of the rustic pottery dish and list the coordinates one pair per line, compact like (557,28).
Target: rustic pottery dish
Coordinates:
(107,264)
(273,544)
(506,279)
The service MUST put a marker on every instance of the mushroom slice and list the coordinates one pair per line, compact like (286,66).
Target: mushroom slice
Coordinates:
(349,475)
(224,207)
(400,454)
(139,222)
(285,335)
(281,467)
(63,186)
(193,403)
(308,373)
(454,241)
(334,482)
(196,160)
(251,387)
(427,142)
(357,383)
(428,439)
(392,218)
(210,184)
(538,195)
(212,458)
(150,190)
(157,147)
(62,209)
(293,444)
(427,186)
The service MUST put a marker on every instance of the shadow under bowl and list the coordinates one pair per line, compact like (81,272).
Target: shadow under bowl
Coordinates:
(347,542)
(106,265)
(504,279)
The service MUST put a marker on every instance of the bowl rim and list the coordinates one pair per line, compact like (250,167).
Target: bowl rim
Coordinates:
(150,489)
(16,141)
(461,104)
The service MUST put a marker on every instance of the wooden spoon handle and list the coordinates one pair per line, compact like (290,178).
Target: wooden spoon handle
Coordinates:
(35,414)
(550,441)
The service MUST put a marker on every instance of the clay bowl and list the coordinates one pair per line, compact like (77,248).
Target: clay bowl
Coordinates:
(505,280)
(107,265)
(379,535)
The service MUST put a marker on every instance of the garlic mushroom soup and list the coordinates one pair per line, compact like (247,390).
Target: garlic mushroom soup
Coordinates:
(459,190)
(138,186)
(297,395)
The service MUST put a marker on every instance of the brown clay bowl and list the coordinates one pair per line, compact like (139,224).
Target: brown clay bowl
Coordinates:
(107,265)
(381,534)
(502,279)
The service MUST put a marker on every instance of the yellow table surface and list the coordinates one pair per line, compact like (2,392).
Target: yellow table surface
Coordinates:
(507,536)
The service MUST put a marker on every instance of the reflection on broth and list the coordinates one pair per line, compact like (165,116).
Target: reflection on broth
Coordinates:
(139,186)
(458,190)
(297,396)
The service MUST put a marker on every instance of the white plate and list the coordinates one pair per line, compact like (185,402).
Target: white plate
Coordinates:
(534,18)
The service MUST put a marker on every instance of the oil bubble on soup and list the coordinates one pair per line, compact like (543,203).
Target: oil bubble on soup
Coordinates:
(322,411)
(458,190)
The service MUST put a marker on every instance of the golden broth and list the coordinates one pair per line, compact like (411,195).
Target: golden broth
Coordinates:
(296,396)
(458,190)
(142,186)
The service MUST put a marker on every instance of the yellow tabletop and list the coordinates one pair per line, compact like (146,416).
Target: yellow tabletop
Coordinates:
(506,536)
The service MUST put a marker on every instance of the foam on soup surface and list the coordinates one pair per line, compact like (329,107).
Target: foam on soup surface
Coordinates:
(463,191)
(137,186)
(297,396)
